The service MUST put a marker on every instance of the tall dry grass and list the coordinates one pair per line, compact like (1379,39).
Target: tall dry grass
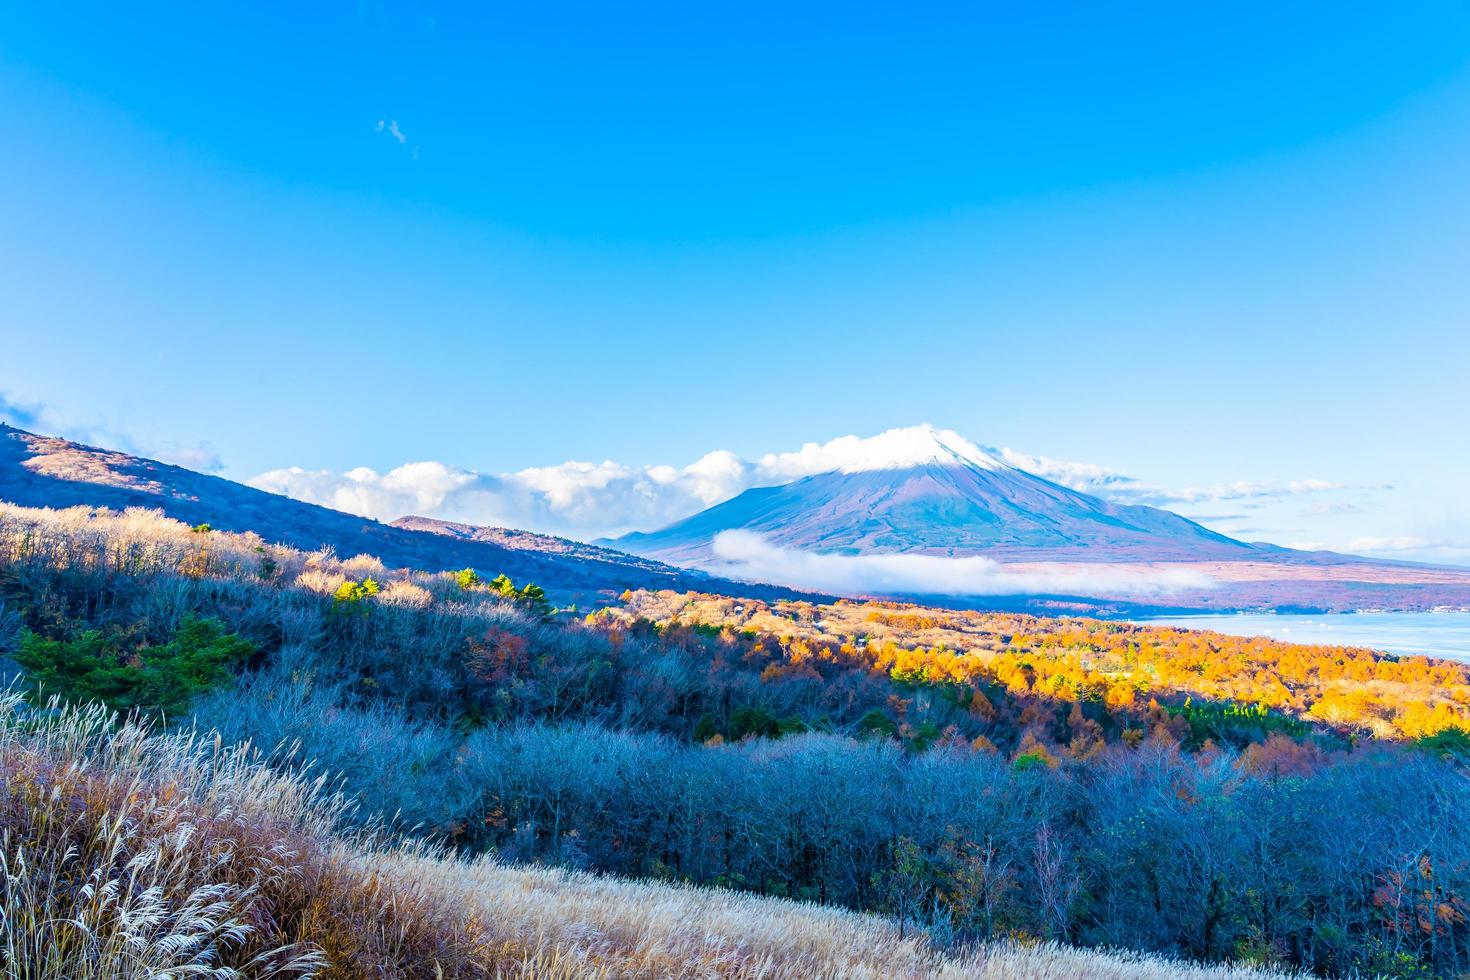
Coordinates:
(124,856)
(130,854)
(575,925)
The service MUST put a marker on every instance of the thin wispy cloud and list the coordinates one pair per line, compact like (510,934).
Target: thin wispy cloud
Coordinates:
(1087,477)
(1403,547)
(390,126)
(42,419)
(22,415)
(1400,542)
(1239,490)
(1337,507)
(201,459)
(1113,485)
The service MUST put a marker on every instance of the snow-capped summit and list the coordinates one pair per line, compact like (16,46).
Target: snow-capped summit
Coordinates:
(896,449)
(928,491)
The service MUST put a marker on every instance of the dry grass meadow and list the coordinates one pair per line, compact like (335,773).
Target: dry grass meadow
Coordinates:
(131,854)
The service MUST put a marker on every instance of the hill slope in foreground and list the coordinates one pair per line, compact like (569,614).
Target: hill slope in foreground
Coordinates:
(200,861)
(41,471)
(927,493)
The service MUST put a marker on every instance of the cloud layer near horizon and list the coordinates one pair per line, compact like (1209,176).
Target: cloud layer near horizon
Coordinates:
(589,500)
(577,499)
(746,555)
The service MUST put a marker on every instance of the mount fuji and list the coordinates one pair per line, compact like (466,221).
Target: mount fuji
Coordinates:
(928,491)
(925,513)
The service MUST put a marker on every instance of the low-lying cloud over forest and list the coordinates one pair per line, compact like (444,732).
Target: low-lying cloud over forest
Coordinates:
(745,555)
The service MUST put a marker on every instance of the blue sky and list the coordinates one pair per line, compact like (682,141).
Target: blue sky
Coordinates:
(1200,246)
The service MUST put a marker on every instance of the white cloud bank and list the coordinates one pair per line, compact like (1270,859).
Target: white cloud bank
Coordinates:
(584,499)
(587,500)
(746,555)
(576,499)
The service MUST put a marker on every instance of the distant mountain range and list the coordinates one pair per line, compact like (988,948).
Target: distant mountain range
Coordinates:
(40,471)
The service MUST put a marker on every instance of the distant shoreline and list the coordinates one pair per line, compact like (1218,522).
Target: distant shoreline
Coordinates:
(1443,633)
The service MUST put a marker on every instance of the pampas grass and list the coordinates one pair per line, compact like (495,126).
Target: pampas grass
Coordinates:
(582,925)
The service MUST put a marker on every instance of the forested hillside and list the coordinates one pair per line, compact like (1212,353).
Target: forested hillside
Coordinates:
(972,777)
(1124,677)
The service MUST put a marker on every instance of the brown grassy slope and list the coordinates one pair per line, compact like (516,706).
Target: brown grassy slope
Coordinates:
(584,925)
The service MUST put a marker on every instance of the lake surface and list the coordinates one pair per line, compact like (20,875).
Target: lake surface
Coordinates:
(1407,634)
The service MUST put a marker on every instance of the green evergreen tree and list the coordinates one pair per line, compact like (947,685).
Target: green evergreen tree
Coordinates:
(152,679)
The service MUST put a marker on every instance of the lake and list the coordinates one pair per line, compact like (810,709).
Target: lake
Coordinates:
(1430,634)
